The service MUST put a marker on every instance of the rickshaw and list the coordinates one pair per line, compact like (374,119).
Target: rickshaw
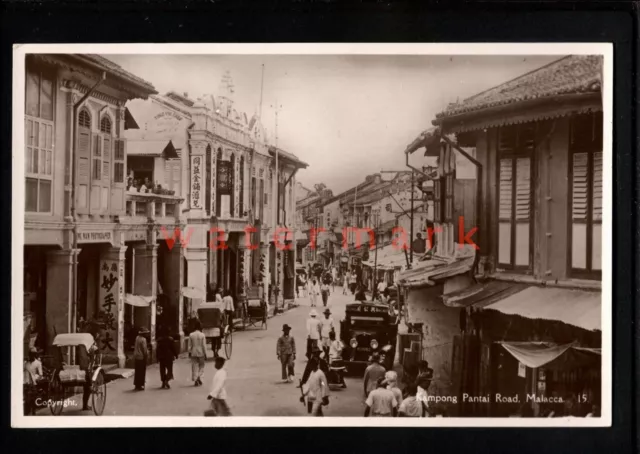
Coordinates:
(213,321)
(255,309)
(87,373)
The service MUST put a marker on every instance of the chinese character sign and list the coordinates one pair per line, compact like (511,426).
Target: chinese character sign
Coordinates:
(197,191)
(111,299)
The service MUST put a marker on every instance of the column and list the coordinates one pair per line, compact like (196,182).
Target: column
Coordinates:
(264,269)
(59,293)
(111,301)
(196,255)
(173,278)
(146,284)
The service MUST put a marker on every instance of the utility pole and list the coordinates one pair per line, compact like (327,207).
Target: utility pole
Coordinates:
(277,214)
(411,240)
(375,263)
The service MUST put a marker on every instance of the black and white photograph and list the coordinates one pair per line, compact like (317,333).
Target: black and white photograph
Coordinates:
(277,233)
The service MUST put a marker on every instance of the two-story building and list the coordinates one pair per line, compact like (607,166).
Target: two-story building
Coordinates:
(521,313)
(81,225)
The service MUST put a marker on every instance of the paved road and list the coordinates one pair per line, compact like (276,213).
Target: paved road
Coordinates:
(253,385)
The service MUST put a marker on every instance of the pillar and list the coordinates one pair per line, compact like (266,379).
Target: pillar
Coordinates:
(111,301)
(59,293)
(173,278)
(264,268)
(146,284)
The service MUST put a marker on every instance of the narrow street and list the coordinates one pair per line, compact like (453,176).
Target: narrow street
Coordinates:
(254,386)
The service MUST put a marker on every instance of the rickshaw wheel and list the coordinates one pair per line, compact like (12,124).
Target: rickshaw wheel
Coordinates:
(56,394)
(228,338)
(99,394)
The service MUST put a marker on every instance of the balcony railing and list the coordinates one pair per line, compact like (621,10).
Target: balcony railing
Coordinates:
(162,209)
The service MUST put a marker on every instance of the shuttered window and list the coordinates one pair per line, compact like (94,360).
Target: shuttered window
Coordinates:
(515,152)
(172,175)
(39,140)
(585,174)
(83,171)
(118,162)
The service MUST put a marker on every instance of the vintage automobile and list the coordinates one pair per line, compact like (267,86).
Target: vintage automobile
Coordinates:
(366,329)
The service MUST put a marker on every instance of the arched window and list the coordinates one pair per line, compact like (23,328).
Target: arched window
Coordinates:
(105,125)
(84,119)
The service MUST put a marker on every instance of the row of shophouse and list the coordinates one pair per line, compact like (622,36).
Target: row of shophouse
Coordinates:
(517,313)
(96,250)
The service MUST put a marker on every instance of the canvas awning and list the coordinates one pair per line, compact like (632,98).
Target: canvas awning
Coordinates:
(580,308)
(193,292)
(389,258)
(552,356)
(152,149)
(138,300)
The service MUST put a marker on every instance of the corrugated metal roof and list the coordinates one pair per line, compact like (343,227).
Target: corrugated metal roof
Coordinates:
(575,307)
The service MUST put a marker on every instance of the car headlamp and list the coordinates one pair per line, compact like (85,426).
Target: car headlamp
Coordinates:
(353,343)
(374,344)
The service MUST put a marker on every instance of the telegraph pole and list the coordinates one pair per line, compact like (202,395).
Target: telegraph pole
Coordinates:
(375,263)
(277,213)
(411,239)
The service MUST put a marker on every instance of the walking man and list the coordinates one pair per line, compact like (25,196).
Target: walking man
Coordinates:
(317,390)
(218,393)
(140,355)
(313,331)
(166,353)
(325,293)
(229,309)
(372,373)
(381,401)
(334,276)
(197,353)
(327,327)
(314,291)
(286,351)
(345,283)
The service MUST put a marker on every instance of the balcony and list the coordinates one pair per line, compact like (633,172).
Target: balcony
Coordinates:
(160,209)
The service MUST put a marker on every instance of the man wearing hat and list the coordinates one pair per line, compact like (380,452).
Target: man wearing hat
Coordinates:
(371,375)
(326,327)
(381,402)
(286,351)
(313,331)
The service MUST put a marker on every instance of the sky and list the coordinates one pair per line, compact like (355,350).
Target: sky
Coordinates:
(347,116)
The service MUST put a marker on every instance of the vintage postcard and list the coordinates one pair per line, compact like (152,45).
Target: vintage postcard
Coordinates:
(312,235)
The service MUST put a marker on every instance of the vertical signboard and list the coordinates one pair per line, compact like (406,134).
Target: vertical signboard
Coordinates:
(196,182)
(111,300)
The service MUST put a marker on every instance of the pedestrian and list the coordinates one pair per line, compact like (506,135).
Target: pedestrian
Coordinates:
(423,380)
(229,309)
(334,276)
(381,402)
(140,355)
(335,357)
(313,331)
(218,393)
(411,407)
(360,294)
(317,390)
(286,352)
(324,290)
(197,353)
(353,280)
(345,283)
(381,287)
(327,326)
(166,353)
(314,291)
(391,380)
(372,373)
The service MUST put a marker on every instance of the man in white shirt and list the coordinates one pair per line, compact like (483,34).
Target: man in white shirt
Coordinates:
(381,402)
(313,331)
(335,357)
(229,309)
(218,393)
(317,390)
(381,286)
(326,327)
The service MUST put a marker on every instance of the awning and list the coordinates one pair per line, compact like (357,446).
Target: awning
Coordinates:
(74,339)
(552,356)
(574,307)
(193,292)
(428,272)
(389,258)
(151,148)
(138,300)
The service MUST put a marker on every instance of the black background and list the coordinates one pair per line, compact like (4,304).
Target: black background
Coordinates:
(325,21)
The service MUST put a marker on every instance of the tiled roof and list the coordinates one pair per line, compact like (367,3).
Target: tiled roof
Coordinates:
(107,65)
(569,75)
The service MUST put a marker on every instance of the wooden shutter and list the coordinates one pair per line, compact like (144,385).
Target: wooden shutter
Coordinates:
(96,175)
(597,186)
(505,211)
(83,170)
(580,186)
(118,180)
(523,189)
(177,180)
